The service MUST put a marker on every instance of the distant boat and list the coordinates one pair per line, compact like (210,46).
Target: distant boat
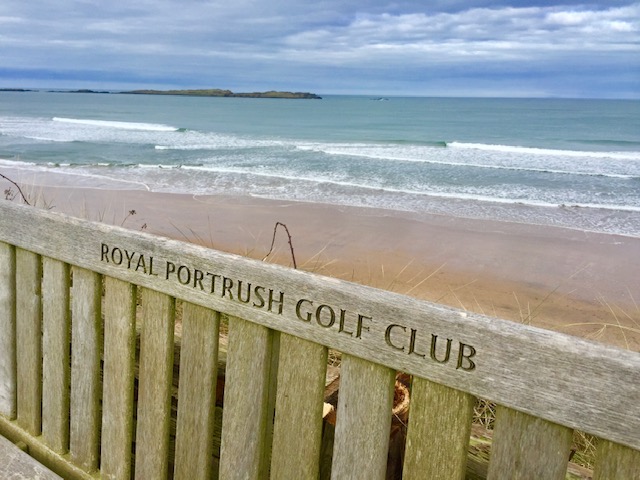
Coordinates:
(380,99)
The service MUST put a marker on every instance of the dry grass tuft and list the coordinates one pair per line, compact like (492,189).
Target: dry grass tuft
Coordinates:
(585,449)
(484,413)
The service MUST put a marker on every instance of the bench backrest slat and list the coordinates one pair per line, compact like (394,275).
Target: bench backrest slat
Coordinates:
(528,447)
(197,392)
(437,444)
(86,385)
(363,420)
(615,461)
(297,431)
(118,378)
(8,329)
(56,337)
(154,392)
(29,340)
(248,408)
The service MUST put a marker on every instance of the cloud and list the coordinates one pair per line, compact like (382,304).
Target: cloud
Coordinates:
(336,44)
(502,34)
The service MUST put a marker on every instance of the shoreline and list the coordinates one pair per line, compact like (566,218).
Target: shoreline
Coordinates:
(576,282)
(162,178)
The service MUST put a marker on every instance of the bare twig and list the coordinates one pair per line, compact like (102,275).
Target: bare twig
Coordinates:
(18,187)
(273,241)
(129,214)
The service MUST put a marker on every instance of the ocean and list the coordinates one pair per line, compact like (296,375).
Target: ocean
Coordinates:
(567,163)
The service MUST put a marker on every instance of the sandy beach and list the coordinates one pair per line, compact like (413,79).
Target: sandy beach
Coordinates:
(576,282)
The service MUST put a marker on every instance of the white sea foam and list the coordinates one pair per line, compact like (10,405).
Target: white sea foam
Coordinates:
(546,161)
(45,139)
(214,141)
(545,151)
(189,147)
(15,163)
(440,193)
(150,127)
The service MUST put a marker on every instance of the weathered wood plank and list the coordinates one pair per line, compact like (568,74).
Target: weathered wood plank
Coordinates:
(29,340)
(154,393)
(118,379)
(56,337)
(197,392)
(527,447)
(298,422)
(16,464)
(8,329)
(581,384)
(246,415)
(616,462)
(363,420)
(438,434)
(86,348)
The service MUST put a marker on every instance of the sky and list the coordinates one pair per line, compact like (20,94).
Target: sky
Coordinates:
(572,49)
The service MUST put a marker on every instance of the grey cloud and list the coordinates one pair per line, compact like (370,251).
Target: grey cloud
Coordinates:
(334,43)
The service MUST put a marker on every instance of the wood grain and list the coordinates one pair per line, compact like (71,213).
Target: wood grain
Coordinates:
(86,349)
(197,392)
(29,340)
(8,329)
(118,379)
(56,338)
(298,422)
(154,394)
(247,414)
(526,447)
(616,462)
(363,420)
(438,433)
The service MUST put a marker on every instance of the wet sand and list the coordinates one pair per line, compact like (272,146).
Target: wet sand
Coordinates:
(580,283)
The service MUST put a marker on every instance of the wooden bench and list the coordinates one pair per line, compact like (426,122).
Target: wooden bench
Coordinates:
(72,294)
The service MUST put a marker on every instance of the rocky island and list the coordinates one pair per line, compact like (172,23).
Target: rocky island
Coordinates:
(210,92)
(216,92)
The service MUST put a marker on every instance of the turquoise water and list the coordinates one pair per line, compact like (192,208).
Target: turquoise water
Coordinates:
(571,163)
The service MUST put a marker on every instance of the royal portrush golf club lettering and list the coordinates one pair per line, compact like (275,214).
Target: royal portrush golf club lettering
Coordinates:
(431,346)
